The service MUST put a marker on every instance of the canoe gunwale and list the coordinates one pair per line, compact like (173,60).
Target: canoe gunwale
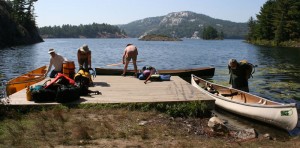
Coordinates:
(271,114)
(18,83)
(280,105)
(28,81)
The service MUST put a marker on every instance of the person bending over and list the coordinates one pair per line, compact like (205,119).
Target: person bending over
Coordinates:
(130,52)
(238,75)
(84,56)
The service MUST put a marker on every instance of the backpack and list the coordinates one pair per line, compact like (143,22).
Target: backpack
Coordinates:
(39,94)
(83,80)
(250,68)
(147,67)
(67,93)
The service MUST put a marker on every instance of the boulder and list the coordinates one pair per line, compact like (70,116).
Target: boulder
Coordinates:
(217,125)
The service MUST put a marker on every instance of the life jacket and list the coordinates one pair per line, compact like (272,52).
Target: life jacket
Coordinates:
(83,80)
(61,79)
(82,74)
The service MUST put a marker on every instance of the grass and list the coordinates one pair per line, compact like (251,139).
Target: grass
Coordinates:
(135,125)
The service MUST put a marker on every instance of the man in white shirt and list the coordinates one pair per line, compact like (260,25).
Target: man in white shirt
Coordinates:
(56,60)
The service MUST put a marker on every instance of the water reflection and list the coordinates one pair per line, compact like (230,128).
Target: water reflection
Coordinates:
(279,68)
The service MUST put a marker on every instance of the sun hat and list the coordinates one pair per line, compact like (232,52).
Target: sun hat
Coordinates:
(84,48)
(51,50)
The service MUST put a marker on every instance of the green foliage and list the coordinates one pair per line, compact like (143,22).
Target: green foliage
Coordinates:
(158,37)
(23,12)
(189,24)
(177,109)
(277,22)
(210,33)
(88,31)
(17,25)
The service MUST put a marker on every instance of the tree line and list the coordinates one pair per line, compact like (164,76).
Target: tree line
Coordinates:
(278,22)
(82,31)
(22,11)
(18,25)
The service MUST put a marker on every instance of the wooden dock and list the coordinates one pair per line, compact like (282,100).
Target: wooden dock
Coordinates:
(118,89)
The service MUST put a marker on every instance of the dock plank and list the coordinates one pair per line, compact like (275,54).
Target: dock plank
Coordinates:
(118,89)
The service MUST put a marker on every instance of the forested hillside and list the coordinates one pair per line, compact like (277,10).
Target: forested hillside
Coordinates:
(277,24)
(184,24)
(17,25)
(82,31)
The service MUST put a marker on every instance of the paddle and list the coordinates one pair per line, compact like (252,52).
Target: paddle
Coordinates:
(117,64)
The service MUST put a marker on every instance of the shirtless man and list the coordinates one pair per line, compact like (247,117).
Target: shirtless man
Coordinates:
(57,61)
(84,57)
(130,52)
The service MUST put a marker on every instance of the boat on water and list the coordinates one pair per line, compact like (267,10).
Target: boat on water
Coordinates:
(282,115)
(16,84)
(200,72)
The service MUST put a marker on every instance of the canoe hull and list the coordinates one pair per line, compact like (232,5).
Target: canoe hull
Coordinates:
(200,72)
(284,116)
(25,80)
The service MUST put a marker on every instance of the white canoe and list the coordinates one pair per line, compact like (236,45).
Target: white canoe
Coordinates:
(284,116)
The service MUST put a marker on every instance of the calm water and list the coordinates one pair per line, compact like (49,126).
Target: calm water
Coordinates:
(277,73)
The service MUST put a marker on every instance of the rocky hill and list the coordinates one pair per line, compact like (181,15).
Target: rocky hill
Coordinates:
(12,33)
(183,24)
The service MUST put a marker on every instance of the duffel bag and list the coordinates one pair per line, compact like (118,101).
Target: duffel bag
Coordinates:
(165,77)
(43,95)
(155,77)
(67,93)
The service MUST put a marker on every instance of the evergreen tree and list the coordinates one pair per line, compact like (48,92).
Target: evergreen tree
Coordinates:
(277,21)
(251,28)
(209,33)
(265,21)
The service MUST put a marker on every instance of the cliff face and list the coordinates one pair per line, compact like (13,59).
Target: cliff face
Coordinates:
(12,33)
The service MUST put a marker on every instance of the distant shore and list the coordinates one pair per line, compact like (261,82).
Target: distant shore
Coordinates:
(154,37)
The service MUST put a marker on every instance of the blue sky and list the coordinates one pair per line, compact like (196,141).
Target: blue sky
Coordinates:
(75,12)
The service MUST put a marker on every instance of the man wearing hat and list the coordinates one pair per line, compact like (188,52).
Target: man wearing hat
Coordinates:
(84,57)
(56,60)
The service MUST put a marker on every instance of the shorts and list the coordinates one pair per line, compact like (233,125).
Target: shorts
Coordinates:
(133,58)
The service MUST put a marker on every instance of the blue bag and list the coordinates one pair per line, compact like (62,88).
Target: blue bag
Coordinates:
(142,77)
(165,77)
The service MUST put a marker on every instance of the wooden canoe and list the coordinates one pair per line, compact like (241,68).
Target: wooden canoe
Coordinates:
(16,84)
(282,115)
(200,72)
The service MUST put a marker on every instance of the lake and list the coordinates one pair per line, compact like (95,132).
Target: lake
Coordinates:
(276,76)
